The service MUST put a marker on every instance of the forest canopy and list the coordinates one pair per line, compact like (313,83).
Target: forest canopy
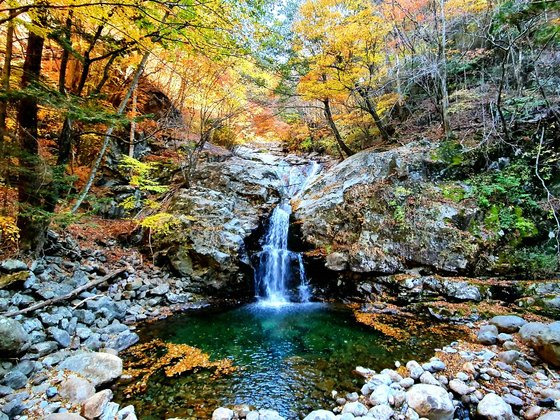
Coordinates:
(141,89)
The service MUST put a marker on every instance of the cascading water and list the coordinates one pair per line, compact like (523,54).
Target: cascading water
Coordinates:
(277,264)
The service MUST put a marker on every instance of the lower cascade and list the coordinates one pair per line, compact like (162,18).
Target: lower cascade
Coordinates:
(278,267)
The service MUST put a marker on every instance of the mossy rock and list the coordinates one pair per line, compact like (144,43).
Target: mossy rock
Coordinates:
(9,279)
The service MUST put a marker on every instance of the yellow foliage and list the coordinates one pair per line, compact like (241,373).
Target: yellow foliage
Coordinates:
(173,359)
(160,224)
(9,232)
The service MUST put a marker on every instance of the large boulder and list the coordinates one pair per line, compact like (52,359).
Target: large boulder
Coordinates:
(381,212)
(493,407)
(13,337)
(508,323)
(76,389)
(99,368)
(544,339)
(218,214)
(430,401)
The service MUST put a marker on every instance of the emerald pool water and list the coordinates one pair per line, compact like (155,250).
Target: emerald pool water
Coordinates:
(289,357)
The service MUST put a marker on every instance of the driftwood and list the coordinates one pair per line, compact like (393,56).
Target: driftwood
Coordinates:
(73,293)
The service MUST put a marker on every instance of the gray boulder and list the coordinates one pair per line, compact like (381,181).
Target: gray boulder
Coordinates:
(13,337)
(493,407)
(488,334)
(99,368)
(544,339)
(508,323)
(320,415)
(430,401)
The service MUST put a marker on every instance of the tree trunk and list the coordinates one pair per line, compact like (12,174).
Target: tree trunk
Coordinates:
(6,73)
(443,72)
(370,107)
(32,228)
(133,123)
(65,54)
(334,128)
(109,133)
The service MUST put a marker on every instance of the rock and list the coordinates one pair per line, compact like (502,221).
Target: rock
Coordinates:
(513,400)
(414,369)
(381,412)
(428,378)
(493,407)
(320,415)
(532,412)
(269,415)
(544,339)
(60,336)
(160,290)
(99,368)
(459,387)
(488,334)
(110,411)
(10,279)
(355,408)
(12,266)
(76,389)
(553,415)
(95,405)
(222,413)
(430,401)
(122,341)
(508,323)
(127,413)
(44,348)
(64,416)
(15,379)
(13,338)
(509,356)
(406,383)
(380,395)
(370,242)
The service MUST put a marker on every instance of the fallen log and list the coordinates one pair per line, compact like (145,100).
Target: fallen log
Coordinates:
(71,294)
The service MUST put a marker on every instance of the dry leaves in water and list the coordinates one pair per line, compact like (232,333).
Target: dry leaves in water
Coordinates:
(145,360)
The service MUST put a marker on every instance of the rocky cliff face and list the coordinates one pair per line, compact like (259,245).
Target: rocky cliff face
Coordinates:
(384,213)
(218,215)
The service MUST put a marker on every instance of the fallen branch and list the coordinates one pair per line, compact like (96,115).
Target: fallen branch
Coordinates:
(73,293)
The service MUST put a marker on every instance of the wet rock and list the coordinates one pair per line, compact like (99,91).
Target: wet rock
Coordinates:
(95,405)
(76,389)
(508,323)
(488,334)
(99,368)
(13,337)
(493,407)
(430,401)
(320,415)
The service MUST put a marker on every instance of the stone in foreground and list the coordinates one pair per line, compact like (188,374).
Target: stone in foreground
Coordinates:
(222,413)
(430,401)
(493,407)
(99,368)
(320,415)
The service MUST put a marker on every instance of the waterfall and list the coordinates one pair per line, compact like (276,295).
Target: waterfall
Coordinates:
(277,264)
